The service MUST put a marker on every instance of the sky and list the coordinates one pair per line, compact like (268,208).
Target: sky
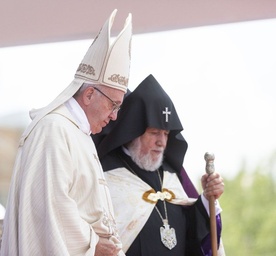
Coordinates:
(221,79)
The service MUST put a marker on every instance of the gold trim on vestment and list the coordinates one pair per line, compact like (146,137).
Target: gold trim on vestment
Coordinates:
(151,196)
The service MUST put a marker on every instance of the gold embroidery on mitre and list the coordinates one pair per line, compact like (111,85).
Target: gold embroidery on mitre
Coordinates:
(116,78)
(152,197)
(86,69)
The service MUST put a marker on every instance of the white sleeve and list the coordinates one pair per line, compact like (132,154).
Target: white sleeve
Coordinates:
(205,202)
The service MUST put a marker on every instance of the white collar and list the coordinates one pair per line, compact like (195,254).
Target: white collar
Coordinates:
(126,151)
(78,113)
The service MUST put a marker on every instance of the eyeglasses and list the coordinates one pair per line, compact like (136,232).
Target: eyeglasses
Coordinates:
(115,107)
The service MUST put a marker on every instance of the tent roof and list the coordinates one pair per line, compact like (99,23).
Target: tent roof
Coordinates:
(36,21)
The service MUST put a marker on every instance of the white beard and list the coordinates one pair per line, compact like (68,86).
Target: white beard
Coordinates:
(144,161)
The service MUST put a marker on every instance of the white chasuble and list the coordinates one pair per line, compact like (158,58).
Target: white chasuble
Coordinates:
(59,202)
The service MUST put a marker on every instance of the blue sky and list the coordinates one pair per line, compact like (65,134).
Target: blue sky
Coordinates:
(221,79)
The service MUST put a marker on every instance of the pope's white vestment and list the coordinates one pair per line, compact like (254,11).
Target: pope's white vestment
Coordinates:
(59,202)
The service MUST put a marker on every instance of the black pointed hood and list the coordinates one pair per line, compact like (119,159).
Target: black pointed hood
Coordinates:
(147,106)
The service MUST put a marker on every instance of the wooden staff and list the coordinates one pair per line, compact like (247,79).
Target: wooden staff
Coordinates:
(210,168)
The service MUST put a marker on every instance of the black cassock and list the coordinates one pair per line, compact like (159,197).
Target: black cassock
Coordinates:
(191,223)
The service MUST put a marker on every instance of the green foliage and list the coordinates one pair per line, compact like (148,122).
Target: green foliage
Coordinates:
(249,212)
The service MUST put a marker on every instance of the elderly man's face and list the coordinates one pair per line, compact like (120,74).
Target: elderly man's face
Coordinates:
(100,105)
(148,150)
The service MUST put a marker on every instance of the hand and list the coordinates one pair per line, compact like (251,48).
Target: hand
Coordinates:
(212,185)
(105,247)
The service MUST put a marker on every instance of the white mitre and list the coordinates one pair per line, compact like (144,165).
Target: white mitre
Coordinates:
(104,63)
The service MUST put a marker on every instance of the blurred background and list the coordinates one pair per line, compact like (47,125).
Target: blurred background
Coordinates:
(216,61)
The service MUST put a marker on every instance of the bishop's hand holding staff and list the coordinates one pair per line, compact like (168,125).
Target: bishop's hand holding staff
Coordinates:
(213,187)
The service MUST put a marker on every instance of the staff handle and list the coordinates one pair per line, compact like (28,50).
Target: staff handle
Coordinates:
(210,168)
